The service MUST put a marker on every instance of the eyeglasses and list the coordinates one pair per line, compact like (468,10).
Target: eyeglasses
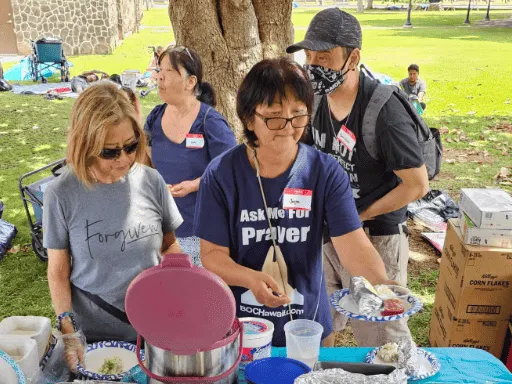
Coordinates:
(114,153)
(277,123)
(178,49)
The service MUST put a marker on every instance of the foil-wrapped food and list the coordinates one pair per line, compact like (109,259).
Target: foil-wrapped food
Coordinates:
(408,357)
(364,295)
(340,376)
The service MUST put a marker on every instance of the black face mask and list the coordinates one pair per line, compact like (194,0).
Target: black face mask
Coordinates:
(325,80)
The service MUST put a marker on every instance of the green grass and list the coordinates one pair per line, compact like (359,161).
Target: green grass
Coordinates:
(424,287)
(466,69)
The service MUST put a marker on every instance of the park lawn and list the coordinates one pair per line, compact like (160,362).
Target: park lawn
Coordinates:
(463,66)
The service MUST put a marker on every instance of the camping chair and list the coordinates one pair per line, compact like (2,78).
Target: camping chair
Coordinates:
(47,53)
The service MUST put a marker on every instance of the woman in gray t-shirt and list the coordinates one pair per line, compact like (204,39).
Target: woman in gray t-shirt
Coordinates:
(106,218)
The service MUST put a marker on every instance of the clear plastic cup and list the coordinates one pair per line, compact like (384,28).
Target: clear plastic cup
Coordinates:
(303,339)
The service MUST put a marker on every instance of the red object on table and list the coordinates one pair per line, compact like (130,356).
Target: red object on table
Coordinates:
(392,307)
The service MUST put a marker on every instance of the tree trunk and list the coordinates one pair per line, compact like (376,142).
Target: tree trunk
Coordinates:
(360,6)
(231,36)
(369,4)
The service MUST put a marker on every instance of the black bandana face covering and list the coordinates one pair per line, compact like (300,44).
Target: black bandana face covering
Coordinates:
(325,80)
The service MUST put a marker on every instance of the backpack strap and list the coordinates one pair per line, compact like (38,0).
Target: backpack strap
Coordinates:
(204,121)
(380,96)
(366,71)
(316,103)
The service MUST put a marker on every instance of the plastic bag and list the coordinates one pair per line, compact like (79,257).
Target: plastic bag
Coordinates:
(7,234)
(433,210)
(55,369)
(69,349)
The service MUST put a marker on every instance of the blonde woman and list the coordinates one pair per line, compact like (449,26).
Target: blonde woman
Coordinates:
(106,218)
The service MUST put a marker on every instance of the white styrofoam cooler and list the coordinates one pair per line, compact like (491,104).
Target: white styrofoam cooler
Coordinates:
(36,327)
(23,350)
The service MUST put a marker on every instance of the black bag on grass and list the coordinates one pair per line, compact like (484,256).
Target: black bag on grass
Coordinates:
(7,234)
(4,85)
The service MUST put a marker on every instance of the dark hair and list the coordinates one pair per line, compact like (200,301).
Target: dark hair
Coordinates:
(131,95)
(115,78)
(267,80)
(413,67)
(188,59)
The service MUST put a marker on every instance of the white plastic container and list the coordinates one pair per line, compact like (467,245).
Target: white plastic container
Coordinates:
(257,340)
(36,327)
(129,78)
(23,350)
(303,338)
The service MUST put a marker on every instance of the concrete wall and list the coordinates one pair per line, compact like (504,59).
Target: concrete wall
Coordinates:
(85,26)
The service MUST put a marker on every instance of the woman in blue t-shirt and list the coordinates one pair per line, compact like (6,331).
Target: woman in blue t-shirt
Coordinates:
(276,187)
(185,134)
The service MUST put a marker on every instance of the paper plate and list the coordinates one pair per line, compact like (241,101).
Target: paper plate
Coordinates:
(343,303)
(98,352)
(429,365)
(10,371)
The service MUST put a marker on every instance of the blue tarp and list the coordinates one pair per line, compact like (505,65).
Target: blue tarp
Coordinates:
(22,70)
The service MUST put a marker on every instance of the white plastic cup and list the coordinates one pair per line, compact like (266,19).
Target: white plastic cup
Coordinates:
(303,339)
(257,341)
(38,328)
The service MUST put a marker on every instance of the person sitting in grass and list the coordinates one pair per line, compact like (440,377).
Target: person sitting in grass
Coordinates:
(153,65)
(414,86)
(81,82)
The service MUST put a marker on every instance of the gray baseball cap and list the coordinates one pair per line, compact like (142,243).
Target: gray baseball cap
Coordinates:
(330,28)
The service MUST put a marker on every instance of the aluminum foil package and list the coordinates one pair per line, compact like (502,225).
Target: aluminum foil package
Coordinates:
(408,357)
(364,295)
(340,376)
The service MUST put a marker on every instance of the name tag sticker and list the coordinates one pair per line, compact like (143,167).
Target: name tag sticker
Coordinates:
(194,141)
(347,138)
(299,199)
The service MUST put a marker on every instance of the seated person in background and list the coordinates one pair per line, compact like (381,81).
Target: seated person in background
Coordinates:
(153,65)
(81,82)
(414,86)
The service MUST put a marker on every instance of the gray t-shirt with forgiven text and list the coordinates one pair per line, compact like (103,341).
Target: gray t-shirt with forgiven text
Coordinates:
(113,231)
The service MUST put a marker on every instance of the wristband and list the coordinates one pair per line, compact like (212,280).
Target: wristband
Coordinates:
(58,323)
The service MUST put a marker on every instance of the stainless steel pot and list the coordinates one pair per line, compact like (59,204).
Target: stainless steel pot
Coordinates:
(217,364)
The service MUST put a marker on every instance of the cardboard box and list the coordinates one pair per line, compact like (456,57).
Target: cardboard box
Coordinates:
(476,280)
(447,331)
(506,356)
(490,237)
(488,208)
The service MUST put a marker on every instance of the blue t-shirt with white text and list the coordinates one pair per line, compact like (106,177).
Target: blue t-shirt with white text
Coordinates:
(176,163)
(230,213)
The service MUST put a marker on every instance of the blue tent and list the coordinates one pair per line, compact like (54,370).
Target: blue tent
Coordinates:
(23,70)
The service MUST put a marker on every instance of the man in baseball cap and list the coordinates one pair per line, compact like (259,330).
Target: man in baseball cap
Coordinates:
(381,189)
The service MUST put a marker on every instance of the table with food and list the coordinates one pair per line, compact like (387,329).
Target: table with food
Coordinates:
(188,332)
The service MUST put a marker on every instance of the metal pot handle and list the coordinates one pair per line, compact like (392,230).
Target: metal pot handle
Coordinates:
(181,379)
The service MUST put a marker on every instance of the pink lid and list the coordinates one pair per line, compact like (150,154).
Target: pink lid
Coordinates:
(180,307)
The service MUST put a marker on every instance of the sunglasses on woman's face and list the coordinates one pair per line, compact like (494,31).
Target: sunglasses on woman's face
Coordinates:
(114,153)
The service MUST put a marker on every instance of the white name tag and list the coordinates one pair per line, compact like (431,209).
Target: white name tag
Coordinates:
(194,141)
(346,137)
(299,199)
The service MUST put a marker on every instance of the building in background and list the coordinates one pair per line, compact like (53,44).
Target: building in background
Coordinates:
(85,26)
